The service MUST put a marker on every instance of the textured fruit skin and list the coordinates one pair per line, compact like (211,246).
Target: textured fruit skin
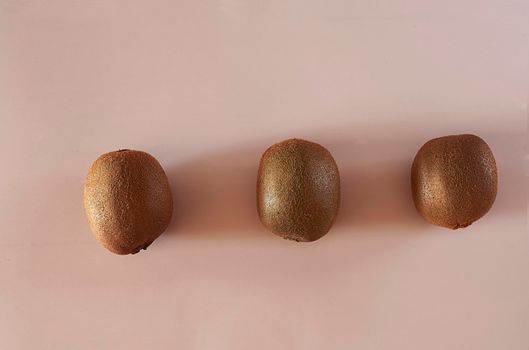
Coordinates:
(454,180)
(298,190)
(127,200)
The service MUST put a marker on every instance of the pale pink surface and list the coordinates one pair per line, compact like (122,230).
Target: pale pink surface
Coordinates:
(205,87)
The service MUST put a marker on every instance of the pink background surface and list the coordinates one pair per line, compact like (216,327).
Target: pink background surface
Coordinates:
(206,87)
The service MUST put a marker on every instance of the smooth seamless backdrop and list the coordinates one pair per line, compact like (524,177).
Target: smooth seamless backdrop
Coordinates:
(205,87)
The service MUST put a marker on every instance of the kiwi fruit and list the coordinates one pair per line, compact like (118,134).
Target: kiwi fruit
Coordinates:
(454,180)
(298,190)
(127,200)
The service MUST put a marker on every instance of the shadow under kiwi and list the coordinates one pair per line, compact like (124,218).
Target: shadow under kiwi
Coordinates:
(509,152)
(375,186)
(215,194)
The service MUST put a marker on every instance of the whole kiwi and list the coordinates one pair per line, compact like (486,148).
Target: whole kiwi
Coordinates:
(298,190)
(127,200)
(454,180)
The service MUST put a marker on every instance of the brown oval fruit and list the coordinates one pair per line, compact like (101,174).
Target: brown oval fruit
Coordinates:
(298,190)
(454,180)
(127,200)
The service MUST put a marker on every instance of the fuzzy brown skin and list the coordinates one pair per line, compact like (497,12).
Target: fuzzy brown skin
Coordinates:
(127,200)
(454,180)
(298,190)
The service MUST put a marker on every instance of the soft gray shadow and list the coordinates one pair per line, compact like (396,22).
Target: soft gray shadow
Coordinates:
(216,193)
(376,190)
(509,151)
